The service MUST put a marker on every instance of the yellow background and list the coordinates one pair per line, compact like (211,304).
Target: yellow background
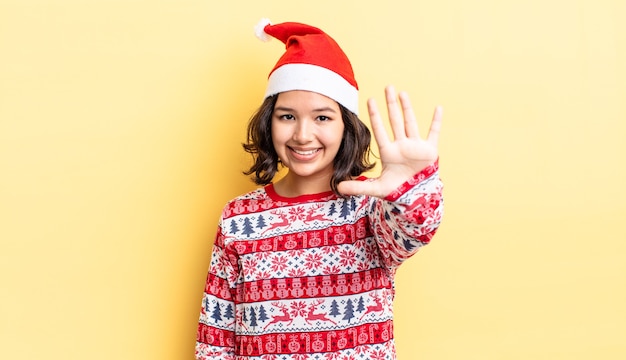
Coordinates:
(120,131)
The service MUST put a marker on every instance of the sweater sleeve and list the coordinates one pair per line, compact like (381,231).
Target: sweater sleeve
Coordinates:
(216,328)
(408,218)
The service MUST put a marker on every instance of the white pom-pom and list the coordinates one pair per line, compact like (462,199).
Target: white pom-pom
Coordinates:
(259,30)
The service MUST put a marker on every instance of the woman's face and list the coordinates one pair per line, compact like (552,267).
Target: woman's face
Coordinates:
(307,130)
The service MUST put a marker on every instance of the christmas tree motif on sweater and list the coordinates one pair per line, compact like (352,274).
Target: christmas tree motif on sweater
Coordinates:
(348,312)
(260,222)
(228,312)
(353,204)
(262,314)
(332,210)
(361,305)
(334,308)
(206,307)
(247,227)
(216,315)
(253,319)
(233,227)
(345,209)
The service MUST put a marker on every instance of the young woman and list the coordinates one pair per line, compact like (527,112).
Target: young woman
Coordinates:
(303,268)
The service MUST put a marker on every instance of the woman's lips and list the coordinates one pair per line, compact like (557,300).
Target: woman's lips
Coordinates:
(304,154)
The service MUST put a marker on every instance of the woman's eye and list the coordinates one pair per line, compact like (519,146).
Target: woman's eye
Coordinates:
(287,117)
(323,118)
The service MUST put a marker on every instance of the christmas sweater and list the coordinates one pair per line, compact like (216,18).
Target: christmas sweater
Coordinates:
(312,277)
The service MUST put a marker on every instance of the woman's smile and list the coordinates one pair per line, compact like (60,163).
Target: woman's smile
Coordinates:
(305,154)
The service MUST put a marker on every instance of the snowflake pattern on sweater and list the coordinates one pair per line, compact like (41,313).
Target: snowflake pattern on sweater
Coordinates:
(312,277)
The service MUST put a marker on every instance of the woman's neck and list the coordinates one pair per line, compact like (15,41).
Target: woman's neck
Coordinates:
(292,185)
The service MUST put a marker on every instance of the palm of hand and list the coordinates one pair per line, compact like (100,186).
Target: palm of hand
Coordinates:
(404,155)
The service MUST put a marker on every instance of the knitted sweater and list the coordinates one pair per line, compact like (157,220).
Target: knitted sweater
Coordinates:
(312,277)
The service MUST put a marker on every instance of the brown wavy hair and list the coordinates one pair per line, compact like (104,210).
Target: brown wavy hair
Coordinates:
(351,161)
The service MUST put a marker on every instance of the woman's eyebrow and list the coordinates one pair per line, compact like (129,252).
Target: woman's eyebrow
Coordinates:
(327,108)
(283,108)
(288,109)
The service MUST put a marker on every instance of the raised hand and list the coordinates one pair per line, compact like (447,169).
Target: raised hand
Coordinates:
(404,155)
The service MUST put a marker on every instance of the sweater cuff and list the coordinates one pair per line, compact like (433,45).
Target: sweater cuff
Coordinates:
(414,180)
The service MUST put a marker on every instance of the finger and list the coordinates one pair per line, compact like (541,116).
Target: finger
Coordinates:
(435,127)
(356,187)
(395,115)
(377,125)
(410,124)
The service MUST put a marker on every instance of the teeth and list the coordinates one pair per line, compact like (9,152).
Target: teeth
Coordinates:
(310,152)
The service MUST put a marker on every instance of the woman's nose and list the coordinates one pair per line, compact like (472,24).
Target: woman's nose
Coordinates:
(303,132)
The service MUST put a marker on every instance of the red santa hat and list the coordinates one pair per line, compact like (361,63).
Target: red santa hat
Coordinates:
(313,61)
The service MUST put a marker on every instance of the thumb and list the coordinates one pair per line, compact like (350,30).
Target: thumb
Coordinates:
(357,187)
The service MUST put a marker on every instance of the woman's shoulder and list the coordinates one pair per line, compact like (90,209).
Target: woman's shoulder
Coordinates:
(249,202)
(255,195)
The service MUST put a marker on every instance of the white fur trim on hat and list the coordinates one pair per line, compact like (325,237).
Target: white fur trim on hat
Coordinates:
(314,78)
